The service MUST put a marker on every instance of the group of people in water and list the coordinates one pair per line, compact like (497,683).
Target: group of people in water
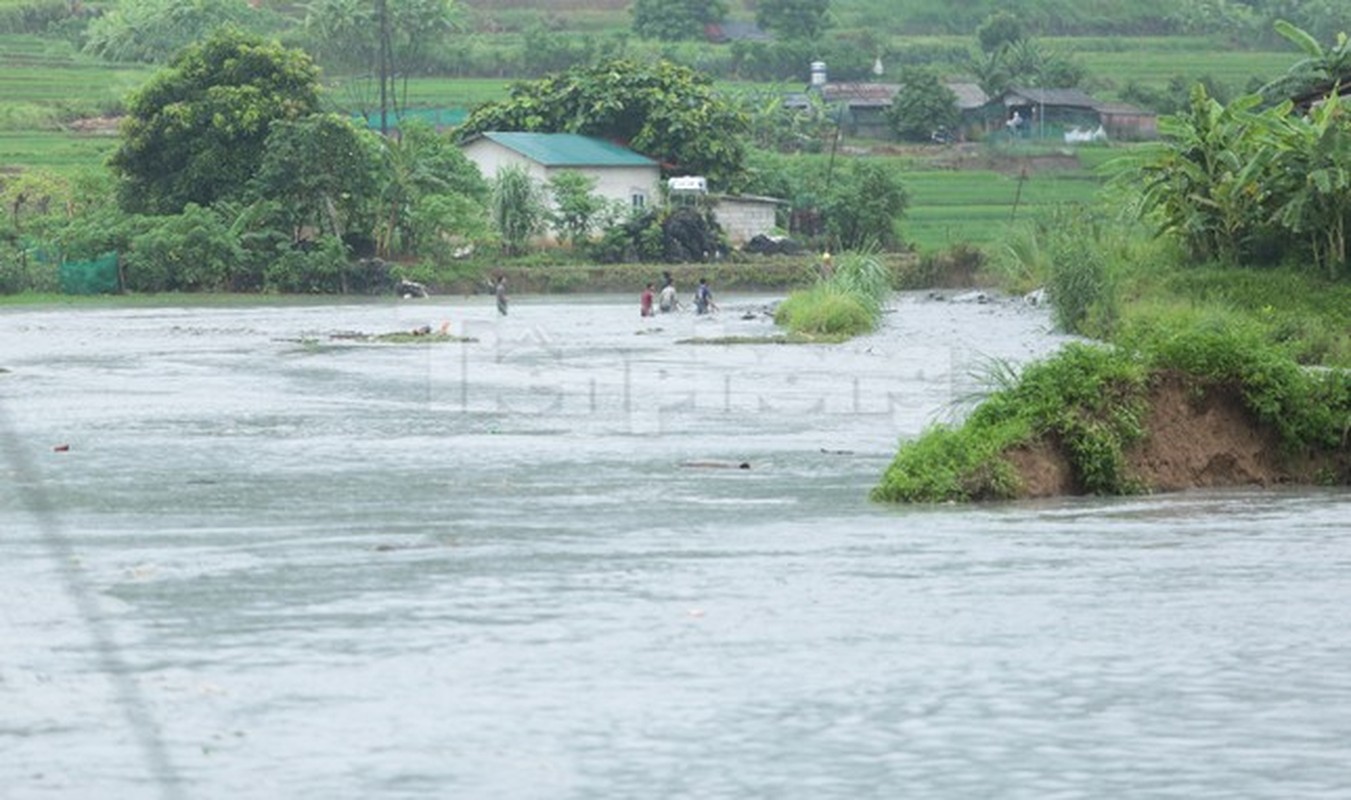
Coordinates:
(666,300)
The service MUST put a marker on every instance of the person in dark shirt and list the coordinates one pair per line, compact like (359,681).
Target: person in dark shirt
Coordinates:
(703,298)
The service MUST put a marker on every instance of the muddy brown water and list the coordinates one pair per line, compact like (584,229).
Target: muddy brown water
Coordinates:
(244,558)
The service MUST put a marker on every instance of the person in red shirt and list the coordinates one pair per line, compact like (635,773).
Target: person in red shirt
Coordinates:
(645,303)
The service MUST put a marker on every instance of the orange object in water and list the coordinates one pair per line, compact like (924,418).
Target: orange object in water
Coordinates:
(62,448)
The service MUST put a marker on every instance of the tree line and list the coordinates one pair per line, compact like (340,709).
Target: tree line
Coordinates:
(230,176)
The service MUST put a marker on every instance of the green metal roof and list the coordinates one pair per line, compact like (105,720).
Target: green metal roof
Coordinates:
(569,150)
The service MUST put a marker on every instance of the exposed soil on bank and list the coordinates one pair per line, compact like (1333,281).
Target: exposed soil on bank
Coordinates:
(1194,438)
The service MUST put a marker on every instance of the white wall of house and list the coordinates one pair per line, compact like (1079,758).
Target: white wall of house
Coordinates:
(621,183)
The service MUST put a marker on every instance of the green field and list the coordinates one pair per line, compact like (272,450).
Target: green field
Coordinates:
(56,150)
(975,206)
(51,72)
(355,93)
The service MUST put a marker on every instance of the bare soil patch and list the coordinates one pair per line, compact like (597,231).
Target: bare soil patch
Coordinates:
(1195,437)
(96,126)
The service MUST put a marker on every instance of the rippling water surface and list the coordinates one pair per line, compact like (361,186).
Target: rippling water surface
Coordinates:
(275,563)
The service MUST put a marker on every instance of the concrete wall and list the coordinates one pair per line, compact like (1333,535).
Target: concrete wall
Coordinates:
(743,219)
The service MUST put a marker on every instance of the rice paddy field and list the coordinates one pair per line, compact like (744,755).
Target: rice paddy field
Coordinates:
(974,206)
(50,73)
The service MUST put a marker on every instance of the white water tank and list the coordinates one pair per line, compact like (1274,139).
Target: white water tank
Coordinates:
(689,184)
(818,73)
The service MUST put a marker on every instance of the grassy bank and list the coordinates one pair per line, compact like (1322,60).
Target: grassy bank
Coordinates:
(1089,406)
(1272,345)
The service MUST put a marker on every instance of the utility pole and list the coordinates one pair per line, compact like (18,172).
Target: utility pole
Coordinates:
(382,11)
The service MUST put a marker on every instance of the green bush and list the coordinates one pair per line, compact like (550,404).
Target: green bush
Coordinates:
(1078,281)
(1308,409)
(34,16)
(21,271)
(1091,402)
(848,303)
(824,310)
(320,269)
(193,251)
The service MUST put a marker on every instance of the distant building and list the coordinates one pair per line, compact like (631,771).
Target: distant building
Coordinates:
(971,102)
(735,31)
(1045,110)
(1125,122)
(620,173)
(862,106)
(744,217)
(1048,113)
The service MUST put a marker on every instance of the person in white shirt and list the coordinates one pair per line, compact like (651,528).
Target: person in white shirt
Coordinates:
(667,301)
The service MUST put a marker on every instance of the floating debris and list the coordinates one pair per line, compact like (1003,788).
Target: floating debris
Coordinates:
(414,336)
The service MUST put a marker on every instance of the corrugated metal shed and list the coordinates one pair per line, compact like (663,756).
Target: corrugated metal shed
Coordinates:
(969,95)
(568,149)
(1069,98)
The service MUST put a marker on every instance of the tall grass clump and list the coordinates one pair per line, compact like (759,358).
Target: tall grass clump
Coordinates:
(848,303)
(1074,254)
(1084,256)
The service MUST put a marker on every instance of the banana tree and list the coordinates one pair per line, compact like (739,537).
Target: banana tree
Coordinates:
(1208,181)
(1315,151)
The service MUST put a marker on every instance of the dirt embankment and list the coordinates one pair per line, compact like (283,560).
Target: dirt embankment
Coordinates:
(1194,438)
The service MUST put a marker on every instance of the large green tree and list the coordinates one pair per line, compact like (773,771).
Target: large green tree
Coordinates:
(430,192)
(195,132)
(862,205)
(665,111)
(922,105)
(794,19)
(321,171)
(675,20)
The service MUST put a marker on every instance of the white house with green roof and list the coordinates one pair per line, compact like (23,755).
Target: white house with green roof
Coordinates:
(620,173)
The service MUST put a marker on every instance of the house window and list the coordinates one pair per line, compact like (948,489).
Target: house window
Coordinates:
(639,201)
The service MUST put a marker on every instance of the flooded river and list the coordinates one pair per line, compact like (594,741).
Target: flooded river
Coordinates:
(245,555)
